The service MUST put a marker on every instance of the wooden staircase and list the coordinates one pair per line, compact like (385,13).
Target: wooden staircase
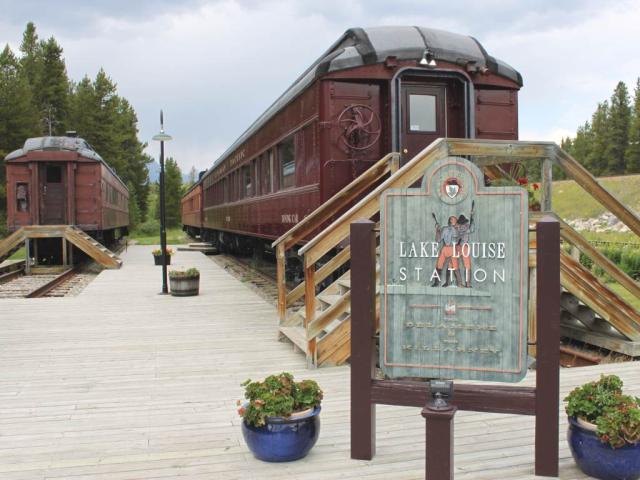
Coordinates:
(591,311)
(70,233)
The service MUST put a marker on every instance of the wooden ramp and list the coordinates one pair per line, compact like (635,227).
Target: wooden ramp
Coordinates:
(70,233)
(593,313)
(120,383)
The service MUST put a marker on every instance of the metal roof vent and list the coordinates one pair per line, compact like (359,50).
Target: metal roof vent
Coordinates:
(71,133)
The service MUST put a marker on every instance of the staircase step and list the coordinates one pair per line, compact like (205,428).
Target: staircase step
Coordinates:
(297,335)
(329,299)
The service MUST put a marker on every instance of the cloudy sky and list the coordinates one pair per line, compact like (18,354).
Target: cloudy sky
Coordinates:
(214,66)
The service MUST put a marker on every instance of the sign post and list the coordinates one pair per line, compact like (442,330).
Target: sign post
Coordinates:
(453,295)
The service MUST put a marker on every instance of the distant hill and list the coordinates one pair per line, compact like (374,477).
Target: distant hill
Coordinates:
(571,202)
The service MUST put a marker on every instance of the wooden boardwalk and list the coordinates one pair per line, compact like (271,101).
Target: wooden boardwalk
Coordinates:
(121,383)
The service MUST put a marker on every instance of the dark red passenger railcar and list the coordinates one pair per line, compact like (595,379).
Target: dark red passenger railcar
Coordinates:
(192,210)
(374,91)
(63,181)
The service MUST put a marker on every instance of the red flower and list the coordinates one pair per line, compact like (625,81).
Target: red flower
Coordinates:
(523,181)
(241,411)
(536,186)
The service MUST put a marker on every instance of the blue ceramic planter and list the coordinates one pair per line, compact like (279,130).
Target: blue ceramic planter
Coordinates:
(283,439)
(598,459)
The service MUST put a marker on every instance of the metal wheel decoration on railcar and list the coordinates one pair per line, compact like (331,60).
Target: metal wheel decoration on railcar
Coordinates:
(62,181)
(374,91)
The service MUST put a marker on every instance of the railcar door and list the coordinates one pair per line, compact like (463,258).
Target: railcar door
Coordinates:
(423,118)
(53,198)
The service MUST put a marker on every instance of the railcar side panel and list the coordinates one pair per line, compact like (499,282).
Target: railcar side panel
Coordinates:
(87,195)
(115,201)
(191,206)
(21,208)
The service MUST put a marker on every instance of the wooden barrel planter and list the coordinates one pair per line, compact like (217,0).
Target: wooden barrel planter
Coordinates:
(184,283)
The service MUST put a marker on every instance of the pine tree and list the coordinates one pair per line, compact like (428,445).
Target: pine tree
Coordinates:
(52,88)
(632,154)
(173,192)
(596,161)
(582,145)
(31,50)
(134,208)
(618,129)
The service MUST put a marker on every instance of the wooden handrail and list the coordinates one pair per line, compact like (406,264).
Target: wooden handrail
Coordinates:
(328,209)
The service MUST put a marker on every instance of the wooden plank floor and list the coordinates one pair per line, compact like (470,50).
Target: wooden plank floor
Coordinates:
(121,383)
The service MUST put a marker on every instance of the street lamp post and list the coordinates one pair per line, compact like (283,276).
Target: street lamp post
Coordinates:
(162,137)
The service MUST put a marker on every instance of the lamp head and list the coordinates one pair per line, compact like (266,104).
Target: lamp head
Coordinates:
(428,59)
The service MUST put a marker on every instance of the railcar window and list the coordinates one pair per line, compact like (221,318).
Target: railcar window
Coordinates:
(54,174)
(247,184)
(286,155)
(22,197)
(422,113)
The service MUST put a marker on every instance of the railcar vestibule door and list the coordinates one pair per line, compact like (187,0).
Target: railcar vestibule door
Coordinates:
(423,119)
(52,194)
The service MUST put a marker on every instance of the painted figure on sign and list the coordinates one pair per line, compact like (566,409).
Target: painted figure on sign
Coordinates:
(447,237)
(465,227)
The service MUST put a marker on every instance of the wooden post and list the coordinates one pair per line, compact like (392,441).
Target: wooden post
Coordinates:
(532,310)
(310,311)
(65,260)
(363,348)
(439,449)
(547,181)
(548,346)
(281,281)
(27,263)
(394,163)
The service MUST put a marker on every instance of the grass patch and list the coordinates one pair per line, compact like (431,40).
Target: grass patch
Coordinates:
(625,295)
(19,255)
(175,236)
(570,201)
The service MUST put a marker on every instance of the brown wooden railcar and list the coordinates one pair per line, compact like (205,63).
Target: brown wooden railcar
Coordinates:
(374,91)
(63,181)
(191,208)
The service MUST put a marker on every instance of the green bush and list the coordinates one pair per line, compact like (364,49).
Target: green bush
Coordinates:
(148,228)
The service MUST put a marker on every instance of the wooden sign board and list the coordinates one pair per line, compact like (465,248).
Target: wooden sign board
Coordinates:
(454,277)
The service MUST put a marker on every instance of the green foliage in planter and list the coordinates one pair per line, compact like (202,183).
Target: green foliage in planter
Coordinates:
(278,396)
(590,400)
(158,251)
(617,416)
(190,272)
(620,423)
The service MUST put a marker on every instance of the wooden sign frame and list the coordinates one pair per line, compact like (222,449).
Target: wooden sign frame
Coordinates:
(366,391)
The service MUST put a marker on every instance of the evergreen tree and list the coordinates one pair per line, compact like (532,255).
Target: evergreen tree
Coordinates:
(173,192)
(18,119)
(582,145)
(632,154)
(618,126)
(192,177)
(134,208)
(31,50)
(52,88)
(596,161)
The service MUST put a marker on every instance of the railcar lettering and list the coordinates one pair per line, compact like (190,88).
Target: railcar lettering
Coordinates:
(289,218)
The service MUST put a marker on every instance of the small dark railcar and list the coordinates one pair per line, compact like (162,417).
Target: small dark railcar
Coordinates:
(374,91)
(63,181)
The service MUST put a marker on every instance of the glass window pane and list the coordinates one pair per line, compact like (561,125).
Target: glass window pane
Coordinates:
(287,164)
(422,113)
